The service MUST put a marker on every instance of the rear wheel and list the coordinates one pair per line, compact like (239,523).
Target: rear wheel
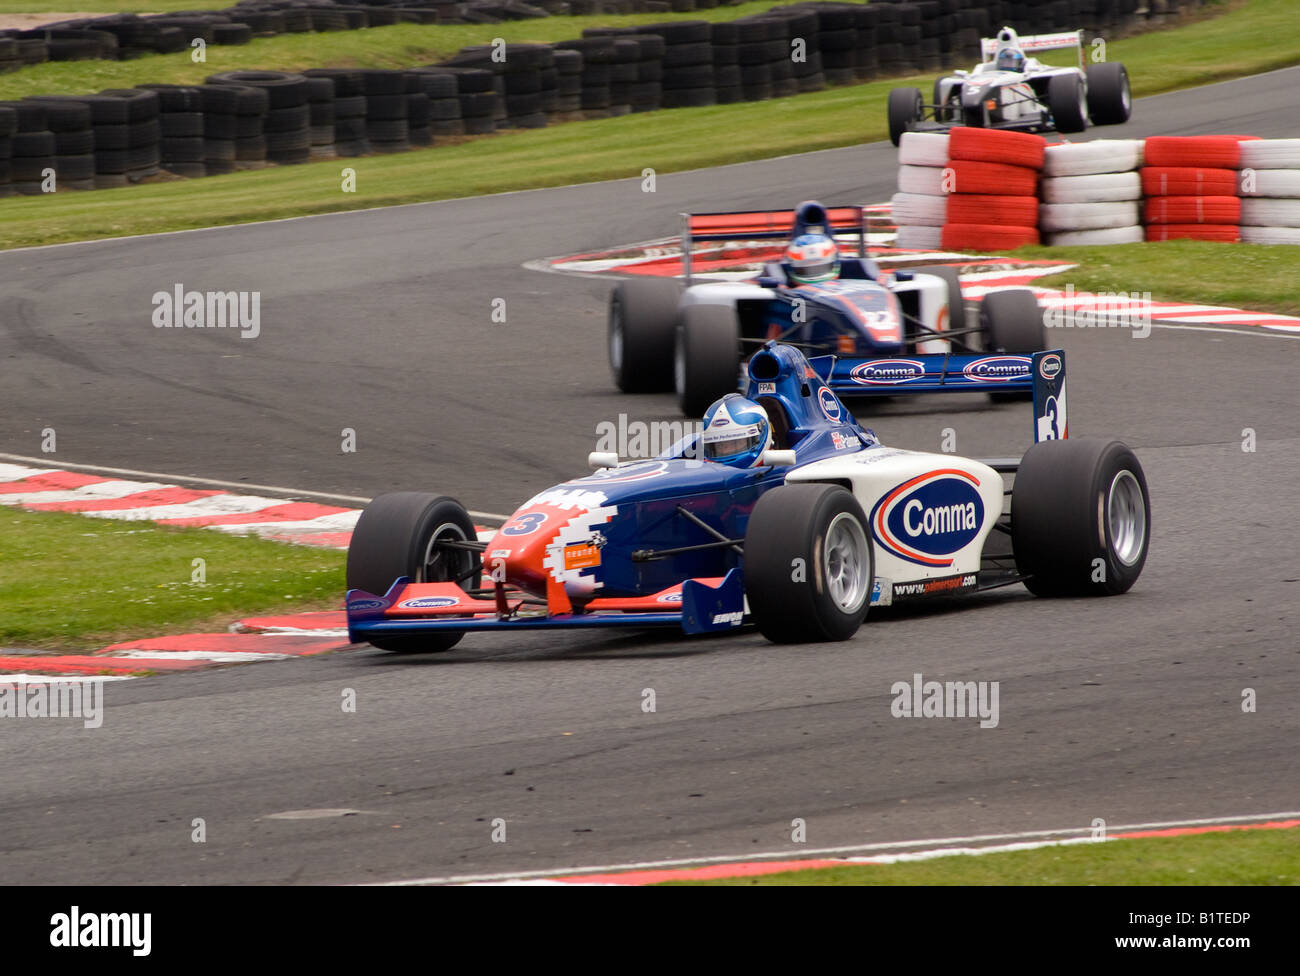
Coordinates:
(398,535)
(1066,99)
(809,565)
(642,320)
(906,106)
(707,359)
(1012,322)
(1080,518)
(1110,101)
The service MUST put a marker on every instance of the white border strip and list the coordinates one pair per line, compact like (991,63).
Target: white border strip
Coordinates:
(808,853)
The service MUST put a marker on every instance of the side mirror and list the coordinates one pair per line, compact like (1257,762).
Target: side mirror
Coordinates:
(777,459)
(602,459)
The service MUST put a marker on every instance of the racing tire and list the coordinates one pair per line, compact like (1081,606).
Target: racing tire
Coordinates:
(923,180)
(809,565)
(706,356)
(1188,181)
(906,105)
(1270,235)
(977,176)
(1215,152)
(956,303)
(915,237)
(924,209)
(394,537)
(1110,100)
(1271,183)
(1068,103)
(1080,518)
(1011,321)
(986,237)
(989,208)
(642,331)
(1265,212)
(1054,217)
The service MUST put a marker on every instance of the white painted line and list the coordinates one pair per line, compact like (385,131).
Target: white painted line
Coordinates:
(807,853)
(217,657)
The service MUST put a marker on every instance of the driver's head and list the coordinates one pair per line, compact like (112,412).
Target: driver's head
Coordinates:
(1010,59)
(736,432)
(812,258)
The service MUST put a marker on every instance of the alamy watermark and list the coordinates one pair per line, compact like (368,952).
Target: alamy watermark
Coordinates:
(946,699)
(1103,310)
(181,309)
(54,699)
(639,439)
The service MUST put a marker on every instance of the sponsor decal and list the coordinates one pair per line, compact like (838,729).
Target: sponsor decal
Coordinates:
(887,372)
(840,441)
(998,369)
(943,584)
(733,619)
(670,598)
(429,602)
(581,556)
(846,345)
(929,518)
(878,454)
(882,592)
(765,388)
(830,405)
(500,553)
(1049,366)
(525,524)
(366,604)
(639,471)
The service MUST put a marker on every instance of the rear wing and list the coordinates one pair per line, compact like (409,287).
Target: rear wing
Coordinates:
(1040,374)
(1036,42)
(758,225)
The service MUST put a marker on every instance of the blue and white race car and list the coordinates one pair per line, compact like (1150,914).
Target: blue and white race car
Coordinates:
(890,333)
(782,511)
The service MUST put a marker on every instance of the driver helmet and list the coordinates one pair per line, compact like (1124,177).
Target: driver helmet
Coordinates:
(736,432)
(1011,59)
(812,258)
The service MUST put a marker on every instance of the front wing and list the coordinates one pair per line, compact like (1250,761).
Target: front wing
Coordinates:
(696,606)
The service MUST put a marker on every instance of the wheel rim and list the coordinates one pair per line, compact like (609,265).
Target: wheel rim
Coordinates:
(1126,515)
(846,563)
(616,336)
(443,565)
(1125,96)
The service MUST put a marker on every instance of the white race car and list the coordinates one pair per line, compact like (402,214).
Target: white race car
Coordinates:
(1012,90)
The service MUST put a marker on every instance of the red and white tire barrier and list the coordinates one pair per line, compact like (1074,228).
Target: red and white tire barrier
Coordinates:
(1187,188)
(993,198)
(920,207)
(1270,187)
(1091,193)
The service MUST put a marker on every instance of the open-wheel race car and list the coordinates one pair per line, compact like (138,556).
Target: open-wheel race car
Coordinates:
(891,333)
(782,511)
(1010,90)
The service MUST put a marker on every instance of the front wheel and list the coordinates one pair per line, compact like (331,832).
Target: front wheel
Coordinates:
(1080,518)
(906,106)
(398,535)
(1067,100)
(809,565)
(642,321)
(707,358)
(1011,321)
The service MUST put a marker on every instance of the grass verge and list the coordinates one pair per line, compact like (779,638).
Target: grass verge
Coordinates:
(1261,34)
(1261,277)
(1234,857)
(68,582)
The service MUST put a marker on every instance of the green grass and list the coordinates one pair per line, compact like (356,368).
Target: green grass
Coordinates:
(1237,857)
(1260,35)
(69,582)
(398,46)
(1263,277)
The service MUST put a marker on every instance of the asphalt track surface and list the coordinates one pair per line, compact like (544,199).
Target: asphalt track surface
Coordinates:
(1126,709)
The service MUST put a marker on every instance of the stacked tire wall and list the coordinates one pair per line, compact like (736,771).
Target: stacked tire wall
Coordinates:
(1091,193)
(1269,185)
(1191,184)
